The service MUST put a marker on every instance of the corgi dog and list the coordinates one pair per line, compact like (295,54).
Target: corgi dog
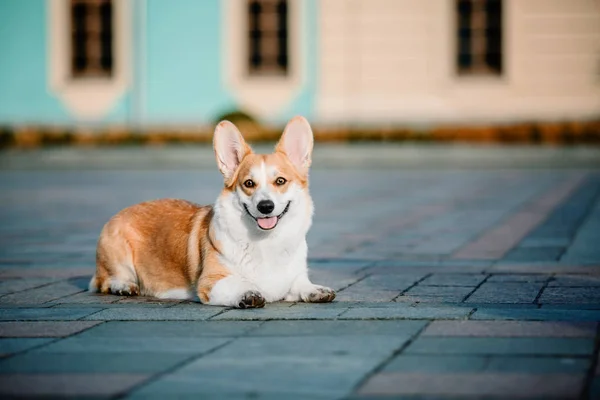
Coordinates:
(246,250)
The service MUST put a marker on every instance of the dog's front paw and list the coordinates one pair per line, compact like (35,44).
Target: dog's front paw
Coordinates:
(319,294)
(251,299)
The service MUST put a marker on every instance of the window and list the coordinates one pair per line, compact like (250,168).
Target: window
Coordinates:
(479,31)
(91,38)
(268,37)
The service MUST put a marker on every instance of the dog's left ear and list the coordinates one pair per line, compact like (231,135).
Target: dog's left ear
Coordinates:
(297,143)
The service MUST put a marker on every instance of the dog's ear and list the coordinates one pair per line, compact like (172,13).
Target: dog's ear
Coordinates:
(297,143)
(230,148)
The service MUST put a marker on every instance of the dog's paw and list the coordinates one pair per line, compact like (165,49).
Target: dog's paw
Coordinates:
(124,290)
(319,294)
(251,299)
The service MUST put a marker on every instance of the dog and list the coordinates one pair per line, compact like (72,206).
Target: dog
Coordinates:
(247,250)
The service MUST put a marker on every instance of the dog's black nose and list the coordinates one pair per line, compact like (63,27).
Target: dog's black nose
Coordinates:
(265,206)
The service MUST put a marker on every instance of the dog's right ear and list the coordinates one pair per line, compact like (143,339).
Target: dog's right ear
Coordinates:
(230,148)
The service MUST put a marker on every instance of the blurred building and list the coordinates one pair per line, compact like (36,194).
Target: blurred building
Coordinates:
(371,62)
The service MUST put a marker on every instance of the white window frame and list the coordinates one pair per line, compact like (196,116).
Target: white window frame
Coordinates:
(263,96)
(86,97)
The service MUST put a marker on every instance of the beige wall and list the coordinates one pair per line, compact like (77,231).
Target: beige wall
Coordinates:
(393,60)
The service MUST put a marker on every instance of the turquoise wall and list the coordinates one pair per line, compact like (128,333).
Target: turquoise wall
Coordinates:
(24,97)
(177,65)
(183,69)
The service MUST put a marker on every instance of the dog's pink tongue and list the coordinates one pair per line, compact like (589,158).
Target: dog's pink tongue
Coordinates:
(267,223)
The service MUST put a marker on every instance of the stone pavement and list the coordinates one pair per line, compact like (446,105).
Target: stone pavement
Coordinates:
(452,283)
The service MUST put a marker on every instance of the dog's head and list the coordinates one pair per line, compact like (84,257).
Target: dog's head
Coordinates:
(266,188)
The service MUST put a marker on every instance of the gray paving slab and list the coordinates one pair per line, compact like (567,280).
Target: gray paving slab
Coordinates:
(301,365)
(44,328)
(16,345)
(407,312)
(576,281)
(453,280)
(155,314)
(511,329)
(502,346)
(534,314)
(93,362)
(316,312)
(506,292)
(42,314)
(75,385)
(46,293)
(570,295)
(561,386)
(539,365)
(440,294)
(126,344)
(338,328)
(436,364)
(179,329)
(17,285)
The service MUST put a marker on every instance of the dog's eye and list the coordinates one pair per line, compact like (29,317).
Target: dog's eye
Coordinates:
(280,181)
(249,183)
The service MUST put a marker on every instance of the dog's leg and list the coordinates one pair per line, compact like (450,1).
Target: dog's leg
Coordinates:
(231,290)
(304,290)
(218,286)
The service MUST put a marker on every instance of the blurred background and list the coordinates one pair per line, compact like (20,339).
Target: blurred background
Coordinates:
(363,69)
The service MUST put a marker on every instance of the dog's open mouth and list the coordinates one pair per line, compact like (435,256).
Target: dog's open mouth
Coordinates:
(268,223)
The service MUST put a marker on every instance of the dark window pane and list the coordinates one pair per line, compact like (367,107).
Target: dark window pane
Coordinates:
(464,61)
(106,47)
(493,56)
(282,35)
(267,36)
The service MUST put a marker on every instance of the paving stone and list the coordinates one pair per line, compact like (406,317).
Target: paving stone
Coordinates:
(93,362)
(353,294)
(87,298)
(44,328)
(338,328)
(161,329)
(539,365)
(392,282)
(453,280)
(508,292)
(302,365)
(501,346)
(197,392)
(46,293)
(536,314)
(333,278)
(16,345)
(127,344)
(16,285)
(534,254)
(517,278)
(575,281)
(407,312)
(545,242)
(68,384)
(155,314)
(278,313)
(511,329)
(436,364)
(45,314)
(453,294)
(569,295)
(62,272)
(503,385)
